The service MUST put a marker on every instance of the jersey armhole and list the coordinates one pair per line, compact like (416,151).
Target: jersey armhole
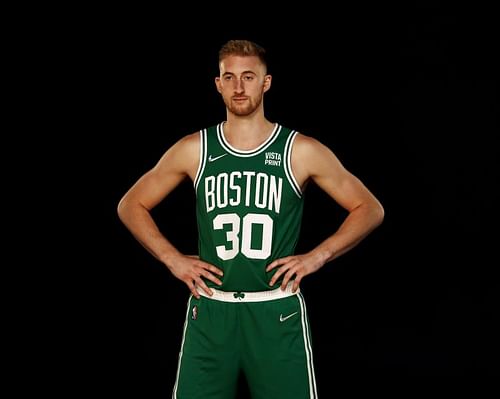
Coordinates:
(288,164)
(202,161)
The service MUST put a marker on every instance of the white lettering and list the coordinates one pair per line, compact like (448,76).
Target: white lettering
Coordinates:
(275,194)
(248,186)
(272,162)
(261,190)
(261,184)
(234,187)
(222,190)
(210,193)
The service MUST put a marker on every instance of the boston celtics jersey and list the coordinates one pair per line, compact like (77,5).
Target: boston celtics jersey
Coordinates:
(249,207)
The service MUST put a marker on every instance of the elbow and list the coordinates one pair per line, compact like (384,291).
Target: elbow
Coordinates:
(129,208)
(379,214)
(121,208)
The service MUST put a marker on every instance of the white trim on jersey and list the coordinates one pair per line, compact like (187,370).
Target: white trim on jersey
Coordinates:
(246,153)
(288,164)
(308,348)
(202,161)
(174,393)
(256,296)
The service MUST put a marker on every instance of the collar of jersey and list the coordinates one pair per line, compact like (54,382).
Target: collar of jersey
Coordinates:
(246,153)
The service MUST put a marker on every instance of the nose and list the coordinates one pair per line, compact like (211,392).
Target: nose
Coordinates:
(239,87)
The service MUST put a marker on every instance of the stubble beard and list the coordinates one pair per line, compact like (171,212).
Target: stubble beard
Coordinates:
(244,109)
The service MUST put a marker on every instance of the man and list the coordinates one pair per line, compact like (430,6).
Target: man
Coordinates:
(246,312)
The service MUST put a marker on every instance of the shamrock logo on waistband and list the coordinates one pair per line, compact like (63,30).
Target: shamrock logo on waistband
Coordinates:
(239,295)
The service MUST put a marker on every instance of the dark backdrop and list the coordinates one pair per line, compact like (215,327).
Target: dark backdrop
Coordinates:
(407,100)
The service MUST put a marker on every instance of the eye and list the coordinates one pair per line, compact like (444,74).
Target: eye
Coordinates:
(227,78)
(248,78)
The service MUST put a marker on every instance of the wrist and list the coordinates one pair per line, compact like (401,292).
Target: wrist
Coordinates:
(321,255)
(168,257)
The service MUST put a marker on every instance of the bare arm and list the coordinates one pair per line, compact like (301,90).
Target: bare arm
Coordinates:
(312,160)
(134,210)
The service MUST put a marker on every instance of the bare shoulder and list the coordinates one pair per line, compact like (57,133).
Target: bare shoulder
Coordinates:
(306,146)
(183,156)
(188,144)
(311,151)
(312,159)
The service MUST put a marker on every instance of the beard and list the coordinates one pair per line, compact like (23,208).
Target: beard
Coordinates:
(245,109)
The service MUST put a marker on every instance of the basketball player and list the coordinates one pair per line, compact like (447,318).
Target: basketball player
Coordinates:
(246,312)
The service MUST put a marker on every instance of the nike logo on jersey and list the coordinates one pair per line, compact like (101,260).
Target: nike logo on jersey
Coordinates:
(282,319)
(211,159)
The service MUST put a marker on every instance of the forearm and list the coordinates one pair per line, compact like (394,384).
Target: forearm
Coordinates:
(358,224)
(139,222)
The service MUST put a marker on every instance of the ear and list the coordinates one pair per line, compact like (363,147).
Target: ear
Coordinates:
(267,82)
(217,84)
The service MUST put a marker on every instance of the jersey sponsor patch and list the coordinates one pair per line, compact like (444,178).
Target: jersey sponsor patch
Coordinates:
(273,158)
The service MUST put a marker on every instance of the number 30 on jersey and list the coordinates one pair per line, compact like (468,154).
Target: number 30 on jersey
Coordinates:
(244,226)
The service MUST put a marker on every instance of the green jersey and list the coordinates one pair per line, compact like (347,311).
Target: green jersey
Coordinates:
(248,207)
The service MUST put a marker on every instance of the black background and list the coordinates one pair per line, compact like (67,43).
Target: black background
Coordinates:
(407,99)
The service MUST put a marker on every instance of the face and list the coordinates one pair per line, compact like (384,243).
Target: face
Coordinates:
(242,83)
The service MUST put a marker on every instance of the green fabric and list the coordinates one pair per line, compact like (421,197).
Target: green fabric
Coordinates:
(269,341)
(249,207)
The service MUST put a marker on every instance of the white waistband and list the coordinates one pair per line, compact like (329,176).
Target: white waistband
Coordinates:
(259,296)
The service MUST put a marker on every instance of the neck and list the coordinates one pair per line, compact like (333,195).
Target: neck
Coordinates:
(248,132)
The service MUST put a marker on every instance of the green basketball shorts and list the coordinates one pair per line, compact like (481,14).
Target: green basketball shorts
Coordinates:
(265,335)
